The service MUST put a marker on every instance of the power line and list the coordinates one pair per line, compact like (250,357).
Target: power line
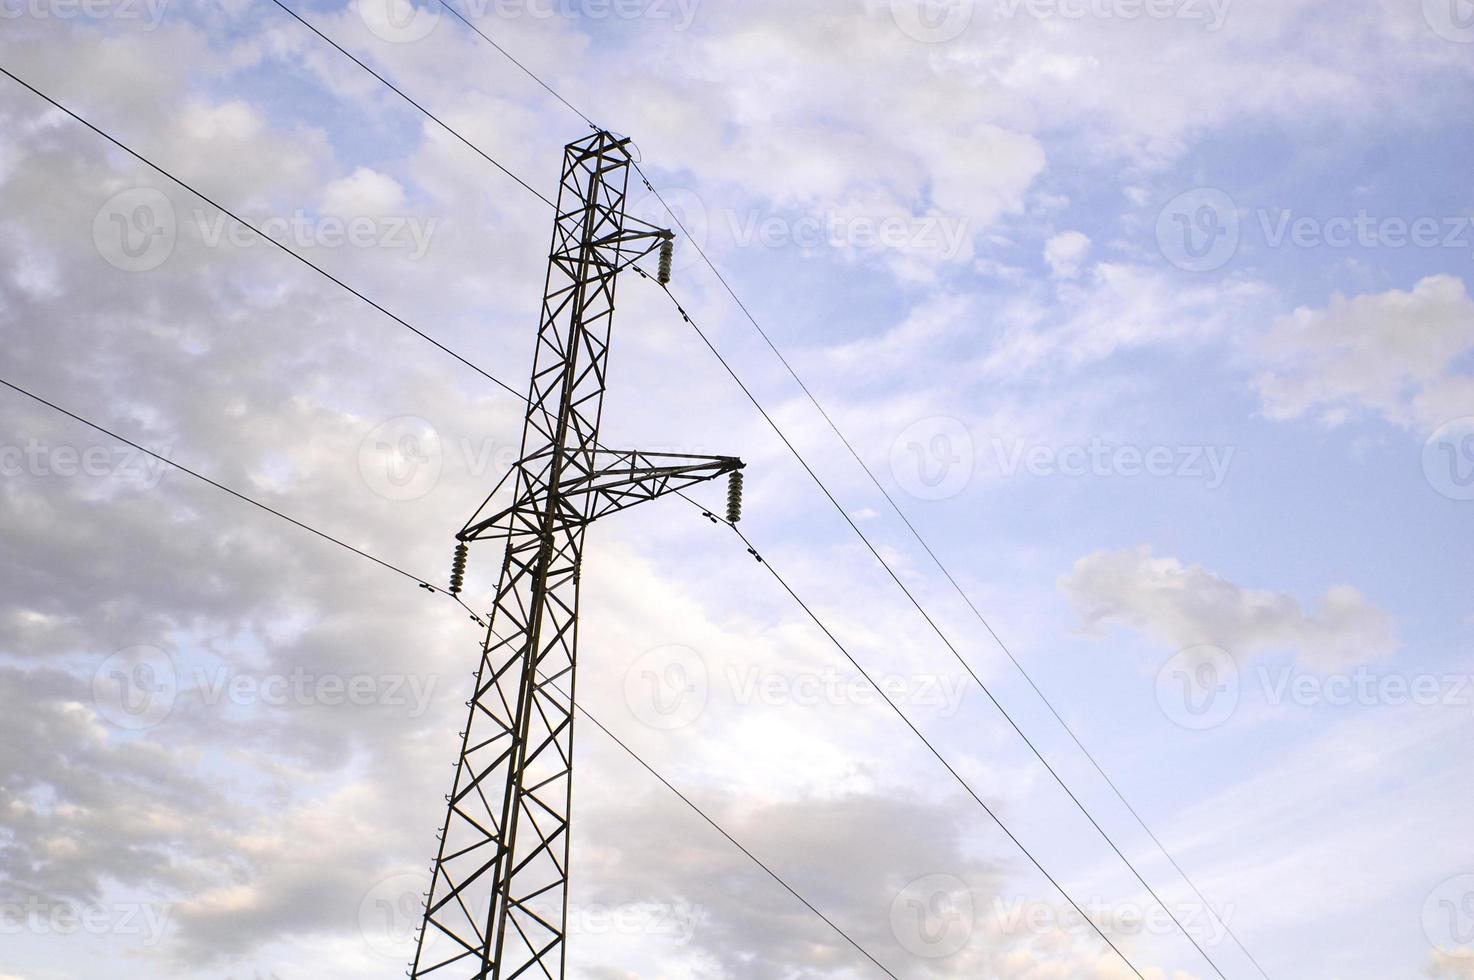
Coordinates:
(926,546)
(931,553)
(685,316)
(425,585)
(917,535)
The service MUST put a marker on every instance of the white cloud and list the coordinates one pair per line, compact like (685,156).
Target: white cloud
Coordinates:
(1185,605)
(364,192)
(1396,354)
(1066,253)
(1116,307)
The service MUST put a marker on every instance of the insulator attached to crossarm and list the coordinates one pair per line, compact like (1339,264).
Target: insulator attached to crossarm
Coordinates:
(667,257)
(458,568)
(734,496)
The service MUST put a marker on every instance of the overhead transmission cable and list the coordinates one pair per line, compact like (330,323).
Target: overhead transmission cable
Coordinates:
(422,583)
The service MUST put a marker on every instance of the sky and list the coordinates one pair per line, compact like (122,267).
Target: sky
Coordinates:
(1152,318)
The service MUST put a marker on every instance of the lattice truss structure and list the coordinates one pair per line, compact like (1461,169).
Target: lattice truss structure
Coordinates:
(498,901)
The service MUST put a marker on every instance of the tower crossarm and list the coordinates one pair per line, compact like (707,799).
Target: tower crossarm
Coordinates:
(620,479)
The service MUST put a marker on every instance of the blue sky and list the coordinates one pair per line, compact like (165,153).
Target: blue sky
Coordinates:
(962,225)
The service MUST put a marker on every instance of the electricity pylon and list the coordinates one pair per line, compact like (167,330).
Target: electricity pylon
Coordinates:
(498,902)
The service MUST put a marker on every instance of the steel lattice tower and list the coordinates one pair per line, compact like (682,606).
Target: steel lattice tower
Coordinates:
(498,900)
